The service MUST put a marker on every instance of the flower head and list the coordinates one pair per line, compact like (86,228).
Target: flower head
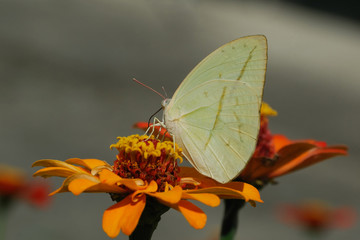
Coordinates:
(276,155)
(316,216)
(288,157)
(148,160)
(15,185)
(145,169)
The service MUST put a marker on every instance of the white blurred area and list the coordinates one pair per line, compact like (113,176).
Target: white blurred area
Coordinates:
(66,91)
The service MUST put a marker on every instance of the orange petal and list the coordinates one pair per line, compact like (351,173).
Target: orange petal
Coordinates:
(80,183)
(190,172)
(286,155)
(109,177)
(186,172)
(170,197)
(237,190)
(280,141)
(54,172)
(123,215)
(67,182)
(57,163)
(152,187)
(65,185)
(88,163)
(206,198)
(141,125)
(194,215)
(59,190)
(149,189)
(315,155)
(63,188)
(247,190)
(77,186)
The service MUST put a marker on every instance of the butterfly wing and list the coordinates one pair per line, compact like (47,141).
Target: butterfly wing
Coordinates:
(215,112)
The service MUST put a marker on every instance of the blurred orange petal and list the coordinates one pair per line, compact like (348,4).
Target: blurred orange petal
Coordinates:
(285,158)
(317,215)
(280,141)
(344,217)
(290,156)
(290,162)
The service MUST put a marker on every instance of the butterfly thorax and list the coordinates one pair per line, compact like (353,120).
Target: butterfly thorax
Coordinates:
(169,121)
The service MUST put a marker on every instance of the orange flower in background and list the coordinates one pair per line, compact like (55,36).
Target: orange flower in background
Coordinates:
(276,155)
(15,185)
(317,216)
(145,169)
(289,156)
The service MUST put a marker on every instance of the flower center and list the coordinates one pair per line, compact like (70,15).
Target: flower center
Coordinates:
(148,159)
(265,144)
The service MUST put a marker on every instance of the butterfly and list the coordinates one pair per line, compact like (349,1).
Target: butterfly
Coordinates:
(214,115)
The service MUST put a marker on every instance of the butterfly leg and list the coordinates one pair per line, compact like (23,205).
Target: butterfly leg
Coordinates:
(156,123)
(152,127)
(163,137)
(159,131)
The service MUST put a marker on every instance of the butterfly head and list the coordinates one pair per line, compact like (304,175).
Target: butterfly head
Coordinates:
(165,102)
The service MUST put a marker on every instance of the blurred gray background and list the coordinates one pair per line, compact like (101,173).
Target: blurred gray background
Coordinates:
(66,91)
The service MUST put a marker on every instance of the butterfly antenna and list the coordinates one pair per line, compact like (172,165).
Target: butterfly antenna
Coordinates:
(144,85)
(153,116)
(163,88)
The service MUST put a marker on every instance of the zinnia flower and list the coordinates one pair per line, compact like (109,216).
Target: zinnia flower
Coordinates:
(316,216)
(145,169)
(276,155)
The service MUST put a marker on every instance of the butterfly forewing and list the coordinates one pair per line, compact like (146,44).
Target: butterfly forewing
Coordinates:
(215,112)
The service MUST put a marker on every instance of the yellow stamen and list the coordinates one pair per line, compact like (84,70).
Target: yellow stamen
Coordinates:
(266,110)
(137,143)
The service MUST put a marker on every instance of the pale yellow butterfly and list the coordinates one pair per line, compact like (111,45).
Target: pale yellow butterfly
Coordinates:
(214,115)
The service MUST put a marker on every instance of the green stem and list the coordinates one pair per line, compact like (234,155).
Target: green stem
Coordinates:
(230,219)
(149,219)
(5,203)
